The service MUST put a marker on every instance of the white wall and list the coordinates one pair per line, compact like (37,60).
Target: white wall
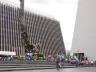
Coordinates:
(84,38)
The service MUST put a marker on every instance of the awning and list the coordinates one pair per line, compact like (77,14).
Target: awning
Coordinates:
(7,53)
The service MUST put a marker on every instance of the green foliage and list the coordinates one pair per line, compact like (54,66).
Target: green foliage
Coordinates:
(16,57)
(41,54)
(45,58)
(40,58)
(37,58)
(68,55)
(52,59)
(34,57)
(23,57)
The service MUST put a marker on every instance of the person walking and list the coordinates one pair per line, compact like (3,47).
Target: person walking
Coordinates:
(62,59)
(57,59)
(49,57)
(76,61)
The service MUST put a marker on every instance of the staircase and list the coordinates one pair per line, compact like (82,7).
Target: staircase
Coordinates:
(27,65)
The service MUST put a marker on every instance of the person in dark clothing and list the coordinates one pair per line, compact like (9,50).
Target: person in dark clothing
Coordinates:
(57,59)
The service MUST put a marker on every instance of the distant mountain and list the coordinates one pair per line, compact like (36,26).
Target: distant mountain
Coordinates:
(68,51)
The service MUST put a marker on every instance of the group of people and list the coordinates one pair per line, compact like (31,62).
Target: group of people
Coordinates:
(86,62)
(6,58)
(75,60)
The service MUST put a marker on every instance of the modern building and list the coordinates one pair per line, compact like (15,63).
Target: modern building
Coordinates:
(41,28)
(84,38)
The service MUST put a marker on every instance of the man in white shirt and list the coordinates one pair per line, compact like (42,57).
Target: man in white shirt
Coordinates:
(62,58)
(75,57)
(85,57)
(92,63)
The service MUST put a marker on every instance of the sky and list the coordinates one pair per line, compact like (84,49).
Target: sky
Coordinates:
(63,10)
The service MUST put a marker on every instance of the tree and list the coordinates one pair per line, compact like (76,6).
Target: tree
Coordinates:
(68,55)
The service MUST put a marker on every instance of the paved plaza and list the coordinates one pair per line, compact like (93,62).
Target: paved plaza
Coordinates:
(41,66)
(84,69)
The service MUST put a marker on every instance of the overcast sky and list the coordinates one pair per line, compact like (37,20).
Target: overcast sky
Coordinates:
(62,10)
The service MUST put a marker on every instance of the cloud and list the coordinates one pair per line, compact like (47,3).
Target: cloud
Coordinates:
(68,47)
(68,42)
(45,1)
(40,1)
(15,1)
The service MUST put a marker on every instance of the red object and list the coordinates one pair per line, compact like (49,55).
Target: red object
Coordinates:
(49,56)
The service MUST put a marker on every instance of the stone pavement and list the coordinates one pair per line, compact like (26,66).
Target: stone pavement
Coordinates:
(84,69)
(34,65)
(31,67)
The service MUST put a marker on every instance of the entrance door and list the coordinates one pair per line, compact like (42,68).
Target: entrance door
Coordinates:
(80,55)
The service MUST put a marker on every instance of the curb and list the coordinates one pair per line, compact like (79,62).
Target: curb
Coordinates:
(33,69)
(43,68)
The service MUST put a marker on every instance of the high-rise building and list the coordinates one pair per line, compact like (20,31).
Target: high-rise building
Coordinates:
(41,28)
(84,38)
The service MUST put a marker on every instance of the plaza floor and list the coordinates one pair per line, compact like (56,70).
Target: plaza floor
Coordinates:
(84,69)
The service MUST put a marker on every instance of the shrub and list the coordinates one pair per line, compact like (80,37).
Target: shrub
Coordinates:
(37,58)
(40,58)
(16,57)
(23,57)
(41,55)
(52,58)
(34,57)
(45,58)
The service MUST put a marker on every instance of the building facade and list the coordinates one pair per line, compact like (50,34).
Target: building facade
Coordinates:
(84,38)
(41,29)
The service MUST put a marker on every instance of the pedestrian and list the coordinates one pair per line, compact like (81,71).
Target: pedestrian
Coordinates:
(76,61)
(91,62)
(49,57)
(62,59)
(57,59)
